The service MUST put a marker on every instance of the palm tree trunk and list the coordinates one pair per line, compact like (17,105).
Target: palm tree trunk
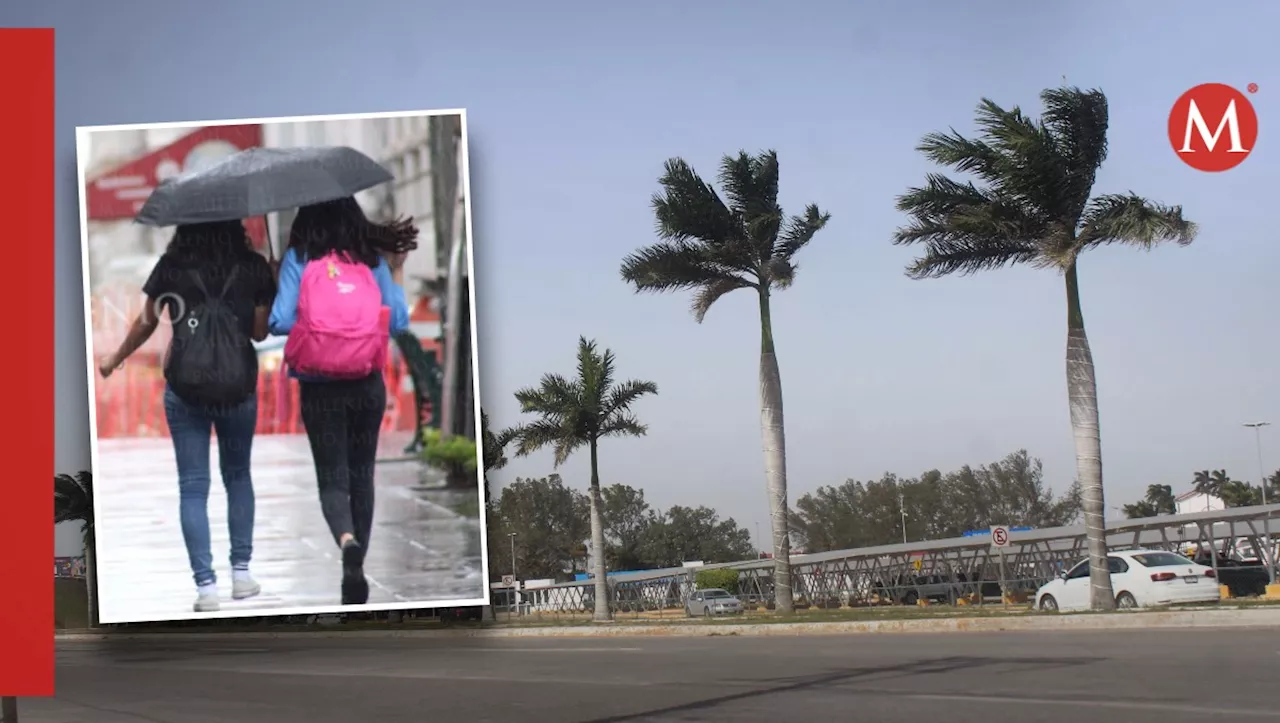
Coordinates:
(1082,396)
(774,443)
(91,579)
(597,543)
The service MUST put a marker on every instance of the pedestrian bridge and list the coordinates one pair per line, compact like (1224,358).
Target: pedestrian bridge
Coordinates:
(961,569)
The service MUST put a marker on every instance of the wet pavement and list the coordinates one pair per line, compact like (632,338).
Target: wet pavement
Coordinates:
(425,547)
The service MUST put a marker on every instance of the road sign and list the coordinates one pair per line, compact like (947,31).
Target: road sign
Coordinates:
(509,580)
(999,536)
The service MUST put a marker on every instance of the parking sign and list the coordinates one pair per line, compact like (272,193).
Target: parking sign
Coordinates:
(508,580)
(1000,536)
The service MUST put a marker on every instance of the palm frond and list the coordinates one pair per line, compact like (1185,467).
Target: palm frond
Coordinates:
(688,207)
(750,183)
(562,438)
(1131,219)
(625,425)
(966,229)
(73,498)
(622,396)
(711,292)
(782,273)
(673,266)
(494,444)
(595,375)
(1078,121)
(799,231)
(966,256)
(1029,167)
(554,396)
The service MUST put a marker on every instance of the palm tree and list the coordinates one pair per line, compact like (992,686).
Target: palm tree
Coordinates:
(1031,205)
(494,448)
(1210,483)
(579,413)
(73,502)
(712,247)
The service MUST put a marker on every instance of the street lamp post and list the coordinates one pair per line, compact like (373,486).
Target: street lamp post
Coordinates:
(1269,547)
(515,584)
(902,508)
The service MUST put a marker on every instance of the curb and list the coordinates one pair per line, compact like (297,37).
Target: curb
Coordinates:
(1182,620)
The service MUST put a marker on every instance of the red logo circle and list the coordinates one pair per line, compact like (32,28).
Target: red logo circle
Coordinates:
(1213,127)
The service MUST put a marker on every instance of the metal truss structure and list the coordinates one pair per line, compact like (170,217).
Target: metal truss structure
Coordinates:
(965,570)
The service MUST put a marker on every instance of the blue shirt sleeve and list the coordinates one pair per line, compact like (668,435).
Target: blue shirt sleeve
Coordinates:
(392,297)
(284,311)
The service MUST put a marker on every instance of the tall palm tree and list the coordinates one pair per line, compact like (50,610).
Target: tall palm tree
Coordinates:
(73,502)
(712,246)
(579,413)
(1031,205)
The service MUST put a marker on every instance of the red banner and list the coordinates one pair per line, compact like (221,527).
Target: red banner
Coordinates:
(26,508)
(119,194)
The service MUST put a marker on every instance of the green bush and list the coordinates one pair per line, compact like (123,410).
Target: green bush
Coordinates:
(455,456)
(722,578)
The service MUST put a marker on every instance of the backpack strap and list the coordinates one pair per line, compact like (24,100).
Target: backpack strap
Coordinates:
(226,286)
(231,278)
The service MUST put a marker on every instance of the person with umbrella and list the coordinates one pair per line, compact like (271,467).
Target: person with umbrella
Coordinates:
(217,292)
(338,303)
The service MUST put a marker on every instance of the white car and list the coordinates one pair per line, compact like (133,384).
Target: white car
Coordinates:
(1139,578)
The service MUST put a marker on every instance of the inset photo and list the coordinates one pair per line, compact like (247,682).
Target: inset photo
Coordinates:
(282,364)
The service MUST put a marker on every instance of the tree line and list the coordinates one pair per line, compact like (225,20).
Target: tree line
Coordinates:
(551,524)
(1011,491)
(1161,500)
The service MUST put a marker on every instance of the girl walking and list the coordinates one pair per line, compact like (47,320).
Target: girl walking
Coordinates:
(216,291)
(339,305)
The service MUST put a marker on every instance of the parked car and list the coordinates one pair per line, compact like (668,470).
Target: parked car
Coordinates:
(711,602)
(909,589)
(1139,578)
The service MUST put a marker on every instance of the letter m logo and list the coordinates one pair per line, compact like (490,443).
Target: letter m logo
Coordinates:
(1213,127)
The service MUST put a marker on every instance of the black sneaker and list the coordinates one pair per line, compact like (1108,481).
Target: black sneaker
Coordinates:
(355,589)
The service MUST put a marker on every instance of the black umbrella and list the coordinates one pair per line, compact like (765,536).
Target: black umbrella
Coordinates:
(258,181)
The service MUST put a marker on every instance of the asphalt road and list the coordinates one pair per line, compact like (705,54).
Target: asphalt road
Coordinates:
(1129,677)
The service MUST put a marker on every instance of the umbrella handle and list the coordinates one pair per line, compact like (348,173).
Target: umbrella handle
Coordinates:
(271,251)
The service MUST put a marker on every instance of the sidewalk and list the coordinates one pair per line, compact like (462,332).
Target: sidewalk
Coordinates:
(1030,623)
(421,549)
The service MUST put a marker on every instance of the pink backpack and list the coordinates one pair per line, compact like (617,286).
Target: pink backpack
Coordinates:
(342,328)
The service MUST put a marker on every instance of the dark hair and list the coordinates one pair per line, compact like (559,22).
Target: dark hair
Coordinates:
(211,242)
(341,227)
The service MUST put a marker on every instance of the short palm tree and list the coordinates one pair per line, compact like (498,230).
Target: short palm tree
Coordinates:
(1031,205)
(73,502)
(579,413)
(493,445)
(712,246)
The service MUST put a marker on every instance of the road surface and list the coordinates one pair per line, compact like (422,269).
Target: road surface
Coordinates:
(1113,677)
(421,550)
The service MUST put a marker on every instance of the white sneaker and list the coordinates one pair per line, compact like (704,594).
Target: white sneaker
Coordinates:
(244,587)
(207,601)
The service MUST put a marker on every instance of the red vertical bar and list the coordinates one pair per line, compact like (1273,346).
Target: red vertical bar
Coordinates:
(26,507)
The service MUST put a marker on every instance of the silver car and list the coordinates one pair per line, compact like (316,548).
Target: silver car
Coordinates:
(712,602)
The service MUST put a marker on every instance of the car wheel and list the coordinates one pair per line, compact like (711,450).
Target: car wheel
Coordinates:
(1126,601)
(910,598)
(706,612)
(1049,604)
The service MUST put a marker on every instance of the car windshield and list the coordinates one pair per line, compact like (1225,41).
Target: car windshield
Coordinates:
(715,593)
(1161,559)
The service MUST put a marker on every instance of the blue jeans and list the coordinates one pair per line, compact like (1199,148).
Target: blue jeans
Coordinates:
(190,427)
